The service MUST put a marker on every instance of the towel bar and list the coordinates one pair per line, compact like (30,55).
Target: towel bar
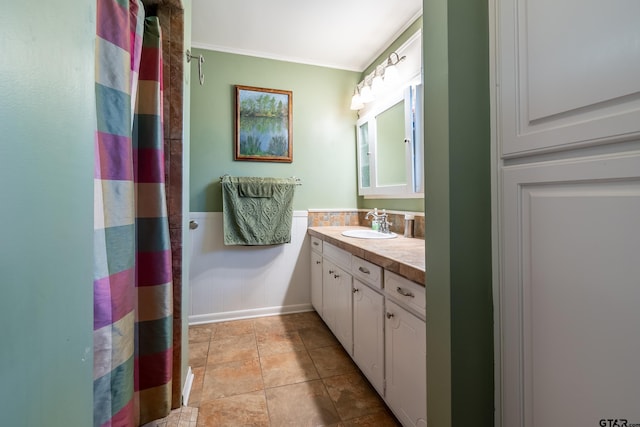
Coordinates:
(297,179)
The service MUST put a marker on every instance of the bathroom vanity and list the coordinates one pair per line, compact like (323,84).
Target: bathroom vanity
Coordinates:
(371,294)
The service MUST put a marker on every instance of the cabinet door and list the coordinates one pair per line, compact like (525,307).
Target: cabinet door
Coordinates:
(329,293)
(343,328)
(316,281)
(368,333)
(568,74)
(405,365)
(571,291)
(569,223)
(337,304)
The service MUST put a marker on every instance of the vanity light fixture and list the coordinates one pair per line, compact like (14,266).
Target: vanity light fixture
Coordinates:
(384,73)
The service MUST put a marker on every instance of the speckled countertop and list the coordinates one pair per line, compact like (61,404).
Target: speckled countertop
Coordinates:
(401,255)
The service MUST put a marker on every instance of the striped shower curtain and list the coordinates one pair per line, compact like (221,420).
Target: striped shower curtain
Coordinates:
(132,269)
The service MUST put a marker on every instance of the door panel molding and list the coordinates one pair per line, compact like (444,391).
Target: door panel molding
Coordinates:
(570,244)
(567,74)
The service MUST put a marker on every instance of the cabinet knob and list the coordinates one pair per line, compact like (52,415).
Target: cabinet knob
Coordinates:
(355,290)
(389,315)
(335,276)
(318,262)
(331,271)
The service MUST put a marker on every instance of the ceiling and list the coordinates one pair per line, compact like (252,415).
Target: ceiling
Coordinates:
(344,34)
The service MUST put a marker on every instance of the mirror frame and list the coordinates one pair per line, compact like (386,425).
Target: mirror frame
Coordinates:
(413,146)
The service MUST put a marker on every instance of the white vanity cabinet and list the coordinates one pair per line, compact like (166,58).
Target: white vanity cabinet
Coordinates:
(316,274)
(379,318)
(337,308)
(405,349)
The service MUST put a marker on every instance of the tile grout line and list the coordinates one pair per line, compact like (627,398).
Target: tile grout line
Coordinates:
(264,388)
(321,379)
(291,331)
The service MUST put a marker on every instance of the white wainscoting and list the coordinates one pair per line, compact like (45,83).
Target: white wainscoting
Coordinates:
(236,282)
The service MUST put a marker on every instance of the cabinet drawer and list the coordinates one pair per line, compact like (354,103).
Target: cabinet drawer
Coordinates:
(406,292)
(341,257)
(316,244)
(367,272)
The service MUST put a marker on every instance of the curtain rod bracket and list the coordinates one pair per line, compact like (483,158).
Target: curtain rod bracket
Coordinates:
(200,59)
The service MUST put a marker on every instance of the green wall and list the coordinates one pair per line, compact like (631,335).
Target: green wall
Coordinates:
(412,205)
(47,117)
(324,155)
(406,34)
(460,387)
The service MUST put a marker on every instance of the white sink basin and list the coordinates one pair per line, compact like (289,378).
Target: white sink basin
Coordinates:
(368,234)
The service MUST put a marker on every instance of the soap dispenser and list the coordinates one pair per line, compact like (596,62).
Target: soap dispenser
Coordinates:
(375,225)
(408,225)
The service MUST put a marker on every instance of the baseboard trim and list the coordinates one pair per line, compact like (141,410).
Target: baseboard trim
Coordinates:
(248,314)
(186,390)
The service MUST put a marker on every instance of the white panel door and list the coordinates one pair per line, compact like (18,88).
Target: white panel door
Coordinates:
(568,73)
(567,135)
(368,333)
(337,303)
(570,294)
(405,365)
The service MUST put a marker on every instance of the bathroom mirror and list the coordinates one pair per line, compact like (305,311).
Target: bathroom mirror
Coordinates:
(390,147)
(389,132)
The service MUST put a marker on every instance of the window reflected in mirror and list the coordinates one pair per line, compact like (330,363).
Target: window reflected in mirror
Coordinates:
(390,141)
(364,176)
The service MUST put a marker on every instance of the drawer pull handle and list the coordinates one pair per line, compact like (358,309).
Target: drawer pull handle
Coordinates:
(389,315)
(316,244)
(364,270)
(404,293)
(355,290)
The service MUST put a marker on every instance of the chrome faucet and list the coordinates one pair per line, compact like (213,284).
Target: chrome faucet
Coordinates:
(381,219)
(384,223)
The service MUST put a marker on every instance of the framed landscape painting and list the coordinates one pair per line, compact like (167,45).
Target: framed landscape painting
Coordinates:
(263,125)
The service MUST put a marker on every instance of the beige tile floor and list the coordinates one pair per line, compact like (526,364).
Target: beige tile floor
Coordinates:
(180,417)
(286,370)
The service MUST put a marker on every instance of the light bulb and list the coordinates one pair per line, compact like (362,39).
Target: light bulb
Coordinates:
(376,83)
(356,102)
(365,94)
(390,74)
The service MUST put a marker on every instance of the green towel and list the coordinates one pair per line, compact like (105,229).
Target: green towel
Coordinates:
(257,187)
(257,211)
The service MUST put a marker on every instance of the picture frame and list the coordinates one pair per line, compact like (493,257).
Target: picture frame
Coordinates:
(264,126)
